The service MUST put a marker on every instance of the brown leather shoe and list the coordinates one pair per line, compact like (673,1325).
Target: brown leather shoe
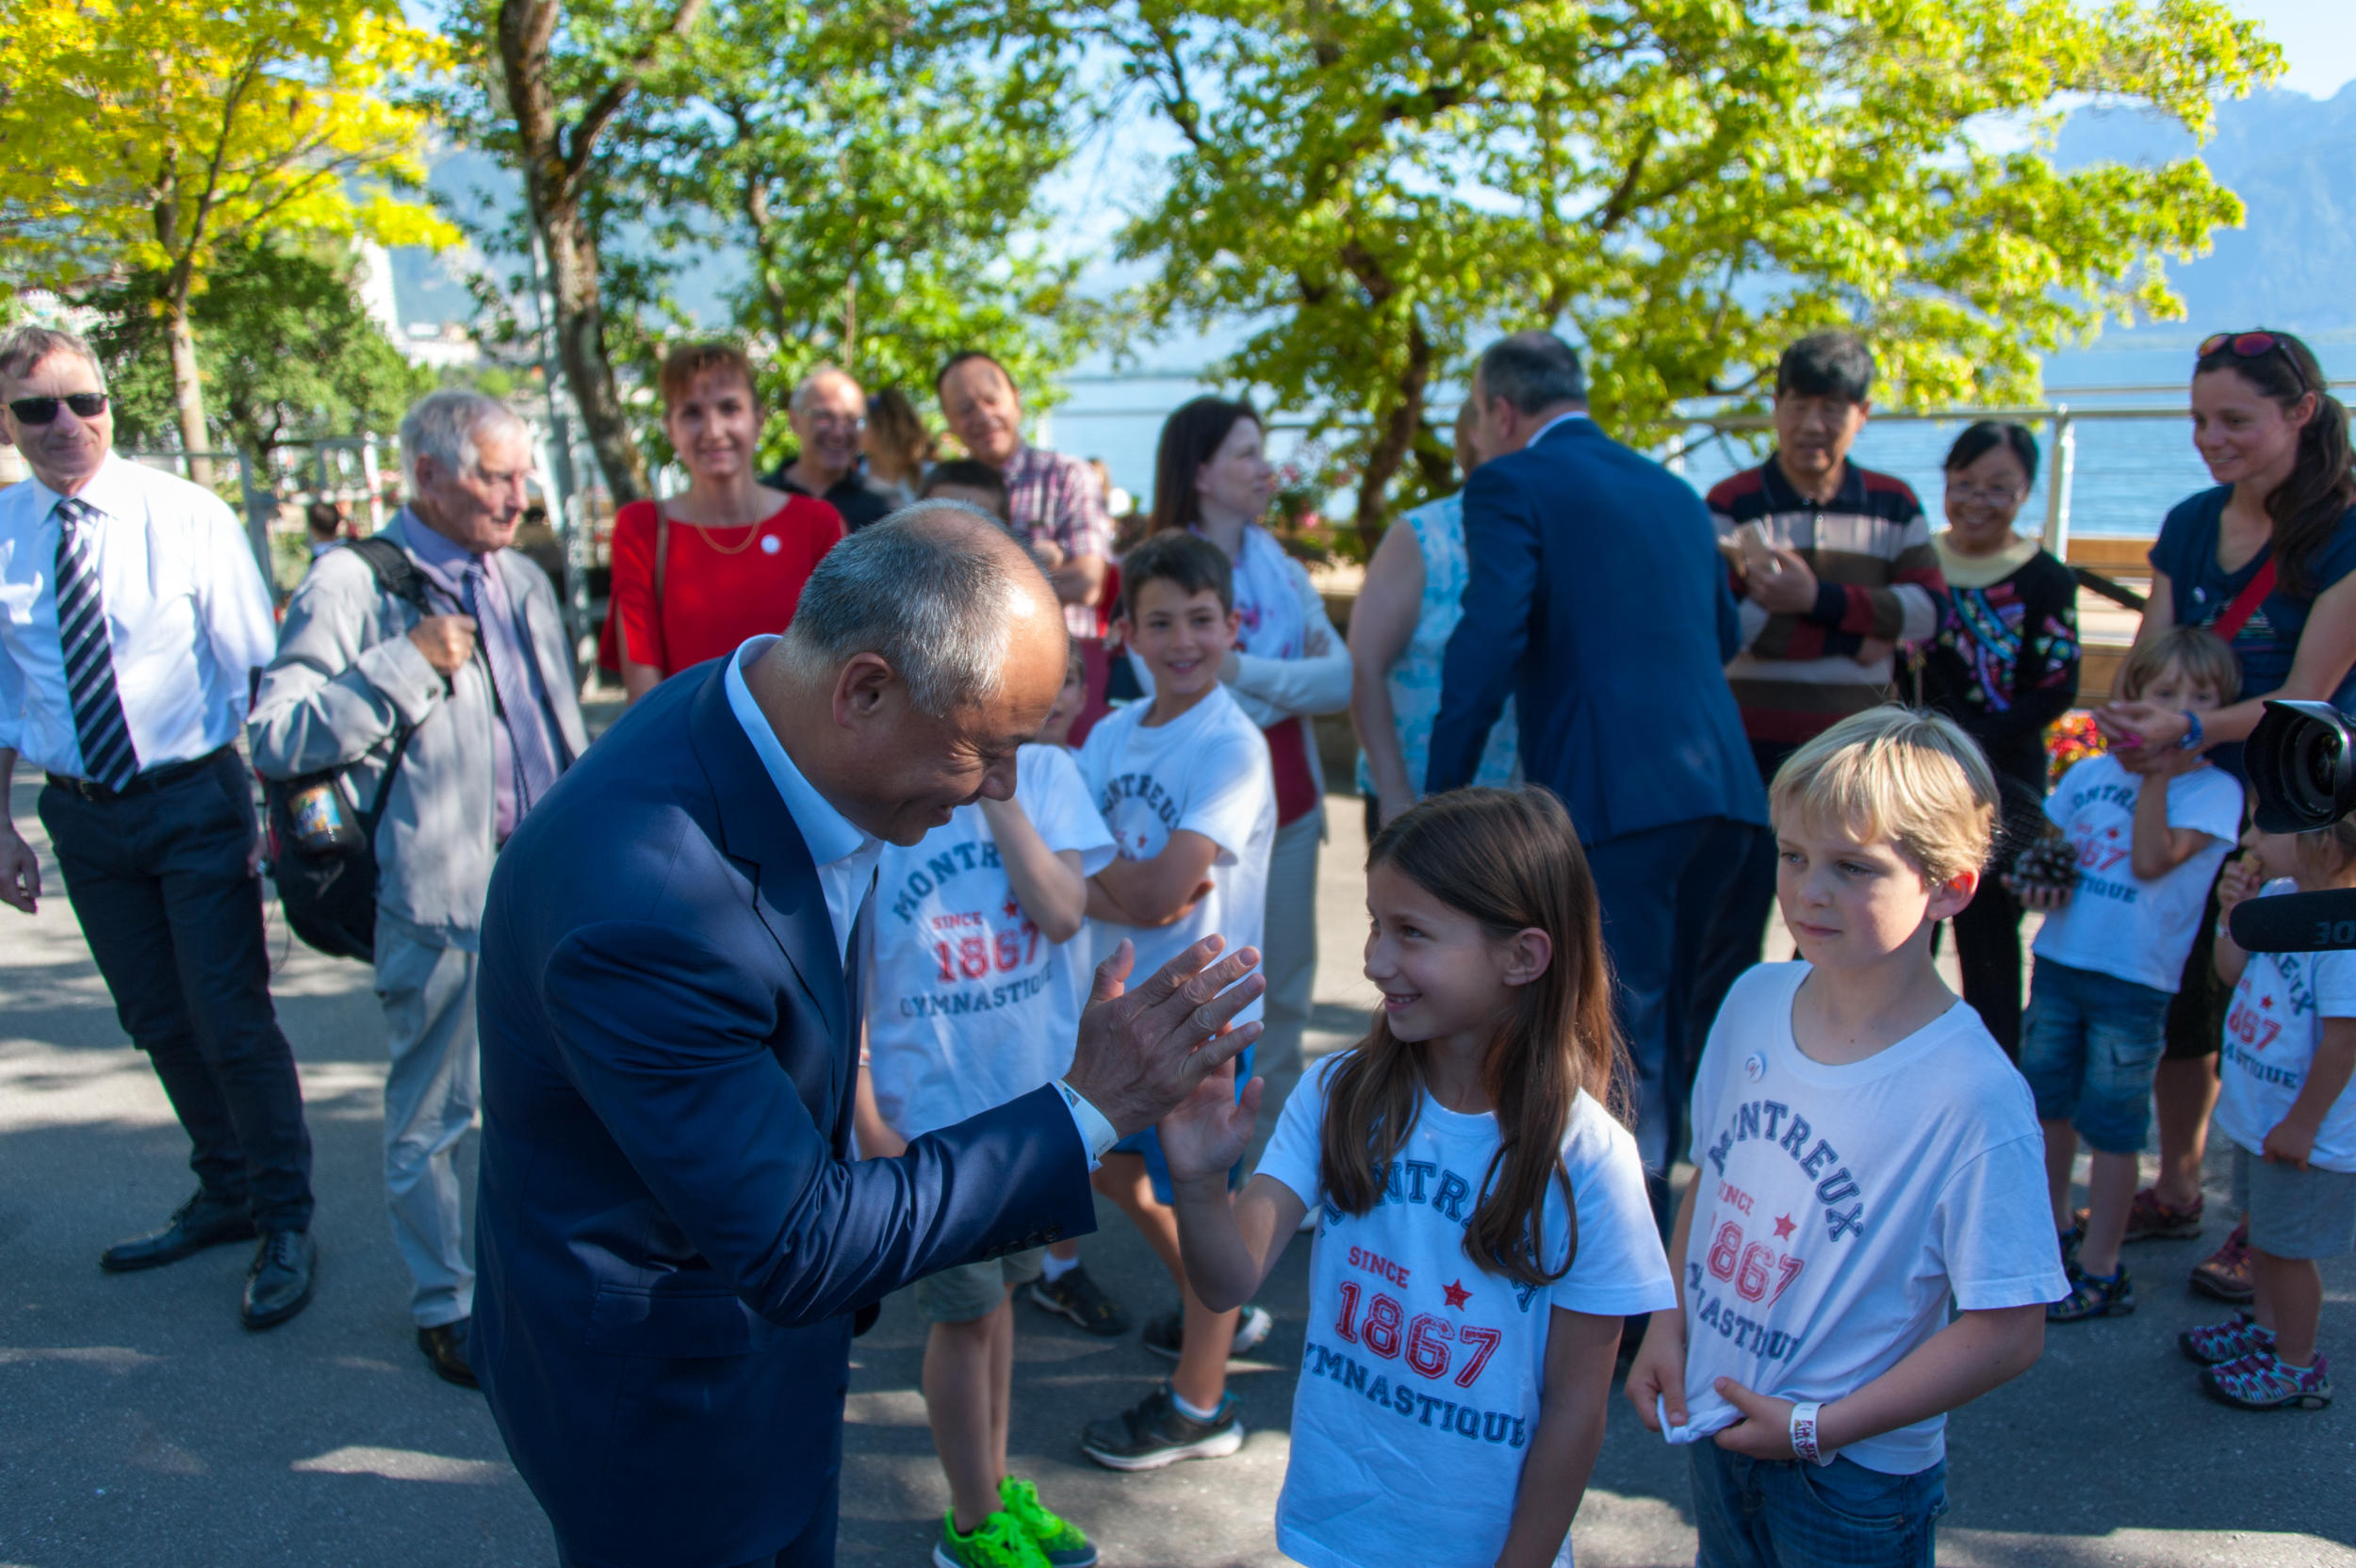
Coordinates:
(202,1221)
(445,1348)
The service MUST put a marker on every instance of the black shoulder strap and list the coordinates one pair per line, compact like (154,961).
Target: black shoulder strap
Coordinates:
(395,573)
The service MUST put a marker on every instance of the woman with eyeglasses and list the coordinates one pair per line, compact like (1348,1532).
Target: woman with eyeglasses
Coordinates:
(2266,560)
(2003,664)
(695,575)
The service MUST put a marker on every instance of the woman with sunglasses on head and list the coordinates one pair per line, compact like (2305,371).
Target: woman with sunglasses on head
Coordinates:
(2003,664)
(695,575)
(2267,561)
(898,446)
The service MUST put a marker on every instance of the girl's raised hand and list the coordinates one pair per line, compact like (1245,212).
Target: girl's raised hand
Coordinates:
(1211,1128)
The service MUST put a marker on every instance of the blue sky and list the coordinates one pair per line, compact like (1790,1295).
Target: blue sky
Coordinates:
(2319,36)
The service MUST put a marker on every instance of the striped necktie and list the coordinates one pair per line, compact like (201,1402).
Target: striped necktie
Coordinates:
(108,755)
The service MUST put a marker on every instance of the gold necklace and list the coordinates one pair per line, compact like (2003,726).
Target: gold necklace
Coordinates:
(718,549)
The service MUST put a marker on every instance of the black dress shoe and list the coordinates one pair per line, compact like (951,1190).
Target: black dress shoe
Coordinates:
(286,1266)
(445,1348)
(202,1221)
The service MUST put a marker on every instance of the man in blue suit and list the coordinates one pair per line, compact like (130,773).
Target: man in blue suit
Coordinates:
(672,1236)
(1598,600)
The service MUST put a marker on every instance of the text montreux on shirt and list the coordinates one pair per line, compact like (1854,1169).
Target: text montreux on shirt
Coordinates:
(1450,1355)
(969,946)
(1754,1264)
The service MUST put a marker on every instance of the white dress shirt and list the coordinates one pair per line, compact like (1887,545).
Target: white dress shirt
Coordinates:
(187,614)
(845,857)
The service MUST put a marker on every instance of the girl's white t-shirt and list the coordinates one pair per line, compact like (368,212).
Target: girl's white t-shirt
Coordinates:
(2113,924)
(1206,770)
(1419,1387)
(968,1005)
(2271,1031)
(1841,1209)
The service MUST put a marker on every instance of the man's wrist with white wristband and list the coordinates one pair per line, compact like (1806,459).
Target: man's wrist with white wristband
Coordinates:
(1805,1417)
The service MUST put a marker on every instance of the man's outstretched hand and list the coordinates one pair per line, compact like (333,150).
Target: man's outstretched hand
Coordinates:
(1142,1052)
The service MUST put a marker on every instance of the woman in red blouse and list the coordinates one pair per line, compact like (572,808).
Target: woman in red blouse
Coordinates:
(734,553)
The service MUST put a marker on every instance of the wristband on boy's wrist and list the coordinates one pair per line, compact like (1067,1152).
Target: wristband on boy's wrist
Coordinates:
(1804,1418)
(2192,733)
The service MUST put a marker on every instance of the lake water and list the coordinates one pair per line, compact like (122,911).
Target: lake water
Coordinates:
(2128,472)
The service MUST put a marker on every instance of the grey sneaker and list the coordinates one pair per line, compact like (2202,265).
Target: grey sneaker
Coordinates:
(1154,1432)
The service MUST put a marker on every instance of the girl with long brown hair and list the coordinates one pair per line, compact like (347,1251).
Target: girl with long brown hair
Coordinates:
(2266,560)
(1482,1225)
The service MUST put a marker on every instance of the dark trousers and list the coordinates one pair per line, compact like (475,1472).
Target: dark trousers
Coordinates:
(1738,938)
(1665,902)
(813,1548)
(174,921)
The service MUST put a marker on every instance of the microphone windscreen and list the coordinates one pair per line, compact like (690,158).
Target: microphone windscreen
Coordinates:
(2296,922)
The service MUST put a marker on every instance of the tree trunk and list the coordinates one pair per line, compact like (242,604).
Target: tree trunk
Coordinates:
(188,386)
(1394,437)
(552,179)
(581,344)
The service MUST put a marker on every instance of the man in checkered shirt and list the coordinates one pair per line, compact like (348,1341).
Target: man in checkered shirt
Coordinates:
(1053,501)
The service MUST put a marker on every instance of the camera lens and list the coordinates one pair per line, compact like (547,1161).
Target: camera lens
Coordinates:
(2301,766)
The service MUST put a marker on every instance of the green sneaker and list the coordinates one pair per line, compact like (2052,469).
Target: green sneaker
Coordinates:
(1058,1539)
(997,1542)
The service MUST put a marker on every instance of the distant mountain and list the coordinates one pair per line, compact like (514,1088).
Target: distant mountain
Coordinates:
(2292,159)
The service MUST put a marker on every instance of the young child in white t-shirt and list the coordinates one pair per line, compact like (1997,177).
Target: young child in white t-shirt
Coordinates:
(1185,783)
(2286,1104)
(2150,830)
(1865,1158)
(1483,1229)
(1064,1285)
(971,1002)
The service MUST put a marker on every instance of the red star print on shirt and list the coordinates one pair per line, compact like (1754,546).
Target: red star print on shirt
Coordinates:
(1784,1226)
(1456,1295)
(1013,910)
(2265,1002)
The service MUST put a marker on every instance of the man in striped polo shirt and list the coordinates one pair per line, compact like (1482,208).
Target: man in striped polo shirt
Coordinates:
(1833,569)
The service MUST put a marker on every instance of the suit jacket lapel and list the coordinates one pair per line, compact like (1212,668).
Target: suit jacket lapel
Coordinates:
(544,629)
(759,831)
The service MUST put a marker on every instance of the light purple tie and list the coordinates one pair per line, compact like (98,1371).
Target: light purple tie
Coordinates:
(513,692)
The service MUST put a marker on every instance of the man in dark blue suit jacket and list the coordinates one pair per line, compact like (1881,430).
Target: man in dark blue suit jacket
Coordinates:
(672,1236)
(1598,600)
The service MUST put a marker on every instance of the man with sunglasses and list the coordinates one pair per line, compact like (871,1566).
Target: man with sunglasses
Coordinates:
(132,619)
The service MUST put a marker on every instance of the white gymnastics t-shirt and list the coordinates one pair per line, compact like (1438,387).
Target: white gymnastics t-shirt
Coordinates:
(968,1005)
(2115,925)
(1840,1208)
(1206,770)
(2271,1031)
(1419,1387)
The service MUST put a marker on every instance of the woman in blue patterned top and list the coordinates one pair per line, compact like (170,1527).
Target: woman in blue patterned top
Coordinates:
(1398,630)
(2003,664)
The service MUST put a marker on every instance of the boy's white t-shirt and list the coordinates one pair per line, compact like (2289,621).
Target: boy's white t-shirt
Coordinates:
(2271,1031)
(968,1005)
(1419,1387)
(2113,924)
(1840,1208)
(1206,770)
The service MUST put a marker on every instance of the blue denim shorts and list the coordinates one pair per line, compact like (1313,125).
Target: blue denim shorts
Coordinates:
(1147,1142)
(2089,1045)
(1766,1513)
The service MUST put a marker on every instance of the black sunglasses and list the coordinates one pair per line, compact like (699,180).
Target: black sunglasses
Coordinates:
(41,411)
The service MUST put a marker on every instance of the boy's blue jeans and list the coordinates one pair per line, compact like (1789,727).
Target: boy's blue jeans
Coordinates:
(1783,1513)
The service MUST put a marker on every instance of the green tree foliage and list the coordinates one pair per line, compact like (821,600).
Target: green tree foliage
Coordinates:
(882,168)
(285,347)
(166,137)
(1680,186)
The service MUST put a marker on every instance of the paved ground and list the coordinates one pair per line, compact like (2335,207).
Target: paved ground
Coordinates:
(138,1423)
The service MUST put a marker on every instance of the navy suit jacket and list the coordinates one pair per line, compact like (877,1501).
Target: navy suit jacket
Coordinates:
(1598,600)
(671,1239)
